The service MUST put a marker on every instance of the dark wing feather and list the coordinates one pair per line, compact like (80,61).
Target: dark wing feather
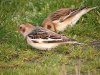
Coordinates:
(48,36)
(59,14)
(38,33)
(73,13)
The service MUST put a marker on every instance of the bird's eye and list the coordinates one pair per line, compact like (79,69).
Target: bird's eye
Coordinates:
(20,27)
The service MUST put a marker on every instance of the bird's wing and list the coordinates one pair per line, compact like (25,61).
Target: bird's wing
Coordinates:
(65,13)
(60,13)
(76,11)
(46,36)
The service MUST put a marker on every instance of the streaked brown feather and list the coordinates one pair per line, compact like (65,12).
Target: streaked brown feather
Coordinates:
(42,33)
(64,12)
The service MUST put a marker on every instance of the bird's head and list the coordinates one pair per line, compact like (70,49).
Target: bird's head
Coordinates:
(25,29)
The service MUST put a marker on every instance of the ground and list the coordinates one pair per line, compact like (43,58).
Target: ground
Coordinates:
(18,58)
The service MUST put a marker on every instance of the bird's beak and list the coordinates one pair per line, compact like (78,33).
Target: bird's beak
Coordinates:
(17,30)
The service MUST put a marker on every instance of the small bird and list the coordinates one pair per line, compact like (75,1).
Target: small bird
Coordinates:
(43,39)
(64,17)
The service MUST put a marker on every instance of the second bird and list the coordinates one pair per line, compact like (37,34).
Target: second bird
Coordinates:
(62,18)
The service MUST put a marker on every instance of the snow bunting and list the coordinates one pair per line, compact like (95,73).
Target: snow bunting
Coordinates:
(62,18)
(41,38)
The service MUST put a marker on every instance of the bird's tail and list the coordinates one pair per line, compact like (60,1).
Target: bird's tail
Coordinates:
(91,8)
(74,42)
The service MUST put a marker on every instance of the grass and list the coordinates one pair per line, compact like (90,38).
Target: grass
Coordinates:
(18,58)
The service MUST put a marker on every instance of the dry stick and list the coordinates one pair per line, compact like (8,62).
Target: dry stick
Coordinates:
(49,71)
(94,72)
(63,70)
(77,68)
(89,73)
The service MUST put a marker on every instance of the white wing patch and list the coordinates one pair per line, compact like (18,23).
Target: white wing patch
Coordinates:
(49,39)
(41,46)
